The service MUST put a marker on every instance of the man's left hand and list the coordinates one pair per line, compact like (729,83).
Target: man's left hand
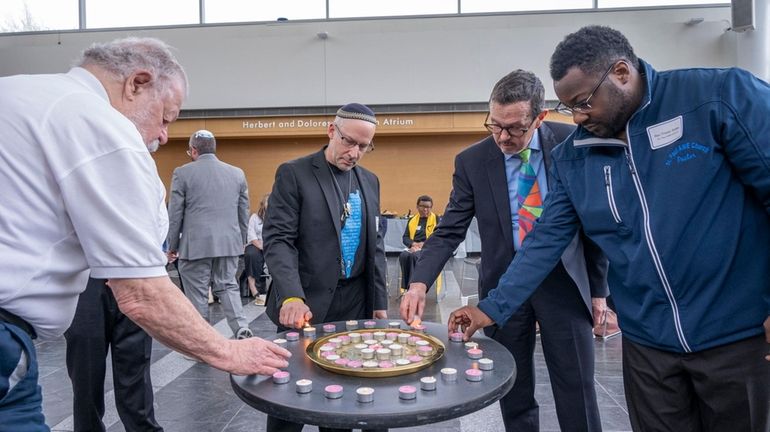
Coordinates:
(599,308)
(380,314)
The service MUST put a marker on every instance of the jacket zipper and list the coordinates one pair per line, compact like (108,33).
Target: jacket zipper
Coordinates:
(651,242)
(610,195)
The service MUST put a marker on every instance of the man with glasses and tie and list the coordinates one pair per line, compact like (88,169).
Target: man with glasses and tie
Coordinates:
(669,174)
(321,237)
(502,181)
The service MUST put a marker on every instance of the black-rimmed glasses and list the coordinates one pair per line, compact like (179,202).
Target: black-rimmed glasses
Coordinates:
(349,143)
(513,131)
(584,106)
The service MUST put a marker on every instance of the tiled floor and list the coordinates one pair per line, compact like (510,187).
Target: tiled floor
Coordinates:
(192,397)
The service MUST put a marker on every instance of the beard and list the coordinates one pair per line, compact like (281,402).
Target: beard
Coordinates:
(153,146)
(621,111)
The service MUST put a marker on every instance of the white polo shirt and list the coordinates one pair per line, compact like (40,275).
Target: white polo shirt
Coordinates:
(78,191)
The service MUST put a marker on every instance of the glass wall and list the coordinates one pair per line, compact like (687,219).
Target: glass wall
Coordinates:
(47,15)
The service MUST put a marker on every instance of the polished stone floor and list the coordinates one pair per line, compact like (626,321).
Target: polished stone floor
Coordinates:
(192,397)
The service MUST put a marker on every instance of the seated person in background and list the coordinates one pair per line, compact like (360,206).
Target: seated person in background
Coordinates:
(419,228)
(253,259)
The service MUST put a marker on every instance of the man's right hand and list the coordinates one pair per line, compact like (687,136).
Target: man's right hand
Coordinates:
(255,355)
(413,302)
(294,314)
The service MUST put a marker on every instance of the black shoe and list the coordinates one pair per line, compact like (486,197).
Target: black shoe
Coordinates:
(244,333)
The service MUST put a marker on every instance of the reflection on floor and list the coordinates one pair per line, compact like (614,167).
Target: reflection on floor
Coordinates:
(192,397)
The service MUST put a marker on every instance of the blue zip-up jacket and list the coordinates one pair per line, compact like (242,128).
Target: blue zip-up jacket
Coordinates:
(681,212)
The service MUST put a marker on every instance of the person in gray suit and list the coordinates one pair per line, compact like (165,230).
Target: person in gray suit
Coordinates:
(208,220)
(488,184)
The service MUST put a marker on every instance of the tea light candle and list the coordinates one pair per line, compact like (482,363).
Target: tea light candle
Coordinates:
(304,386)
(407,392)
(383,354)
(345,339)
(365,394)
(335,341)
(385,364)
(475,353)
(419,328)
(414,358)
(413,340)
(370,364)
(341,361)
(309,331)
(396,350)
(326,348)
(471,345)
(386,343)
(473,375)
(424,351)
(403,338)
(394,324)
(379,335)
(367,353)
(370,324)
(421,343)
(329,328)
(366,335)
(354,364)
(280,342)
(449,374)
(333,391)
(351,325)
(281,377)
(325,354)
(292,336)
(360,346)
(428,383)
(486,364)
(456,337)
(391,336)
(355,338)
(402,362)
(332,357)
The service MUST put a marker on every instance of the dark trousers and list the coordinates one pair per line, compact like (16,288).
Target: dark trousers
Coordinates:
(348,304)
(407,261)
(726,388)
(254,263)
(21,400)
(567,340)
(99,326)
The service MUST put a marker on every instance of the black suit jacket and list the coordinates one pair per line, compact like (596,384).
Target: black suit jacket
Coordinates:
(480,188)
(301,237)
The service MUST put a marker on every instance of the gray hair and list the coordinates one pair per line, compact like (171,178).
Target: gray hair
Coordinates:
(203,141)
(520,86)
(122,57)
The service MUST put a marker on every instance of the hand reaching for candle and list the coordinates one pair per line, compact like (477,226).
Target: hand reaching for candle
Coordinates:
(468,319)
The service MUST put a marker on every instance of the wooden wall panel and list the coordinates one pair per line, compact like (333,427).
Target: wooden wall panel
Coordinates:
(407,166)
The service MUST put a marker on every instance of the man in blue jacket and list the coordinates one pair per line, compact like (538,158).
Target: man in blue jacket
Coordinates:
(669,174)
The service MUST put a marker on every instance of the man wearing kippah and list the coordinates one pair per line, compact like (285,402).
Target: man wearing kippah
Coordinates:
(320,234)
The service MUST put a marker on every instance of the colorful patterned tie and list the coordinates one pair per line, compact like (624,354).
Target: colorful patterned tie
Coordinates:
(530,202)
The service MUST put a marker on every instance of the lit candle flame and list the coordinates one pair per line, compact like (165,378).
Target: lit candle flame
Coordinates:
(416,321)
(474,365)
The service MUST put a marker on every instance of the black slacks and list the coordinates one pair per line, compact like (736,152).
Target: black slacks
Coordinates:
(254,263)
(726,388)
(407,260)
(98,326)
(568,347)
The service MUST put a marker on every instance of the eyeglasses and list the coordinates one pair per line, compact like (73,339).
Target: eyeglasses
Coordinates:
(349,143)
(188,153)
(425,206)
(513,131)
(585,106)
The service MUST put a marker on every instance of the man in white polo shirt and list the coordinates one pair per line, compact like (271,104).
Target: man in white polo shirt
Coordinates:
(80,192)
